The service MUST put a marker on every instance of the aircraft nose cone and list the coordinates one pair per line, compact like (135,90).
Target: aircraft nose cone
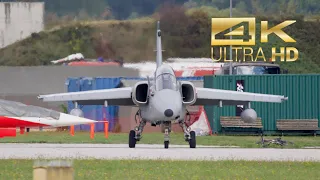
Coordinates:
(168,112)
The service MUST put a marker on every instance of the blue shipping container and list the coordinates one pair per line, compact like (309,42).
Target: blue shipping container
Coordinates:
(95,112)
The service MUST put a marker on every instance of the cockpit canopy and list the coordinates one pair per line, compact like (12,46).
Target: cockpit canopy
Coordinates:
(166,81)
(165,78)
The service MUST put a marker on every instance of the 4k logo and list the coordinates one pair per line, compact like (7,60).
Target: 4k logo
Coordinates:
(220,25)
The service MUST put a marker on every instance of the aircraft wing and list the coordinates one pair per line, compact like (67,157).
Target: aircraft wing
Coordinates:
(116,97)
(208,96)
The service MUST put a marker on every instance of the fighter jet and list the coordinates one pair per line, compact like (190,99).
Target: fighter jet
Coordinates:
(162,100)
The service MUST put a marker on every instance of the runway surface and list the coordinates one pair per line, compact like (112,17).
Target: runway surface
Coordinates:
(143,151)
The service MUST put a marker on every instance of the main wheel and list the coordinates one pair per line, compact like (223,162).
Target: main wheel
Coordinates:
(192,141)
(166,144)
(132,139)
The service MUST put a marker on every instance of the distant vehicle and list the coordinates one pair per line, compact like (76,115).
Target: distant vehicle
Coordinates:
(252,68)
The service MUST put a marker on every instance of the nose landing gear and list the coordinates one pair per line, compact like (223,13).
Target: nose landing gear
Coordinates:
(167,130)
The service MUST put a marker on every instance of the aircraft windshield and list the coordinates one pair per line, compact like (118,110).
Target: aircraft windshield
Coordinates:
(166,81)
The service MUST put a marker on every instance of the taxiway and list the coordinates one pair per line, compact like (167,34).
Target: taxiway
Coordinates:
(144,151)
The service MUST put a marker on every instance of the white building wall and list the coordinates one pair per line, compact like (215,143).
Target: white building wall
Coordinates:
(19,20)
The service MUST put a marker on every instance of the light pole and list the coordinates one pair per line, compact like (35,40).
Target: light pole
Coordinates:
(230,68)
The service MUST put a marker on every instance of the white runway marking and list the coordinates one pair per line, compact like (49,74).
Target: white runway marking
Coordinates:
(143,151)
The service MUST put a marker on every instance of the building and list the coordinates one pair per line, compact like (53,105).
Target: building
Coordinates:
(18,20)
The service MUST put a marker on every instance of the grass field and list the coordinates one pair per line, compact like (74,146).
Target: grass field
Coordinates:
(143,169)
(154,138)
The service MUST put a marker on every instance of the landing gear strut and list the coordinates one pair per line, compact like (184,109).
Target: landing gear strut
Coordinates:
(189,136)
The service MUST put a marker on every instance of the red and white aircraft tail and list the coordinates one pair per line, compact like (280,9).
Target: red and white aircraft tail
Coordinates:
(64,120)
(15,114)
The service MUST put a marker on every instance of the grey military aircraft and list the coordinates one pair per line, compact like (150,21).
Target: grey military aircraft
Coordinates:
(163,99)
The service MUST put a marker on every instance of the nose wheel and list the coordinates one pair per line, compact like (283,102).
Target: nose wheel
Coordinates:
(166,144)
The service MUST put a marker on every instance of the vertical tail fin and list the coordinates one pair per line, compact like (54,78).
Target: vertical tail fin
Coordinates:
(159,49)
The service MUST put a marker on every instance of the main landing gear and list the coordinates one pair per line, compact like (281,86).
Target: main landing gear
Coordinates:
(135,135)
(189,136)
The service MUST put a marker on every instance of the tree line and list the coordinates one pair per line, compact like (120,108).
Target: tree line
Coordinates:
(186,33)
